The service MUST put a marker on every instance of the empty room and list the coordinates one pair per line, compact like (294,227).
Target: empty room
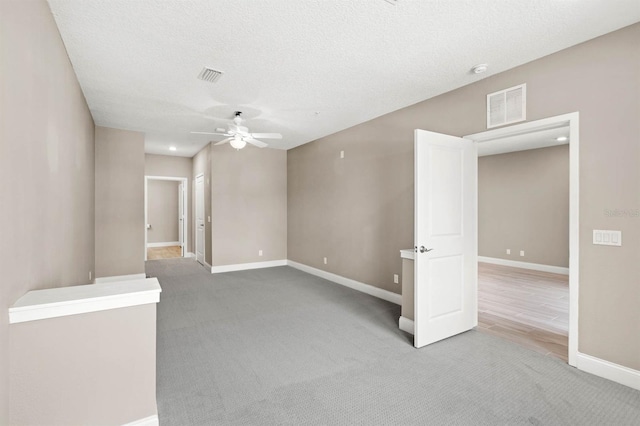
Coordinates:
(323,212)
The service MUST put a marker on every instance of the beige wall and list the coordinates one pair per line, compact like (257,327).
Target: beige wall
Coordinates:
(249,204)
(97,368)
(356,211)
(202,165)
(46,166)
(523,204)
(165,165)
(119,222)
(360,211)
(162,211)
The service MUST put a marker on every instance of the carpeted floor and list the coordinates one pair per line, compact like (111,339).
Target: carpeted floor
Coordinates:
(278,346)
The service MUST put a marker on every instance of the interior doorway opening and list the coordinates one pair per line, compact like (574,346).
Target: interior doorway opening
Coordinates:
(523,240)
(199,225)
(527,298)
(166,217)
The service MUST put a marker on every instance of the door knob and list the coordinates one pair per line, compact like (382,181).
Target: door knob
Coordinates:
(424,250)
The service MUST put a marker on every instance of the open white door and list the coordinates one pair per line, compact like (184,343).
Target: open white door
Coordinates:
(181,217)
(445,236)
(200,219)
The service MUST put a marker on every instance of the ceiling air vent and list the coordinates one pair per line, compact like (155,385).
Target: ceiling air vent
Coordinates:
(210,75)
(507,106)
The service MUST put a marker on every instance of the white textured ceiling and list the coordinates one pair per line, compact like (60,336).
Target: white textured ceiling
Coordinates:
(305,69)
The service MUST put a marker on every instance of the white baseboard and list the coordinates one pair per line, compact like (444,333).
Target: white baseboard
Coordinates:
(246,266)
(609,370)
(147,421)
(525,265)
(348,282)
(114,278)
(406,324)
(165,244)
(189,254)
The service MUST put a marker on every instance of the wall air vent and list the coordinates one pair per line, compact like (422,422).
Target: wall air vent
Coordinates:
(507,106)
(210,75)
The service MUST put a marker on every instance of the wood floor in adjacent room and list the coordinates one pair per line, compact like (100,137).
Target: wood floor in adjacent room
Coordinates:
(154,253)
(527,307)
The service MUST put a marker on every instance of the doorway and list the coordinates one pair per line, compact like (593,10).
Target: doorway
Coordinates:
(523,241)
(436,287)
(166,217)
(570,124)
(200,219)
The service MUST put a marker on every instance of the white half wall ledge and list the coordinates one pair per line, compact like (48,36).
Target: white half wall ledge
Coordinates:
(348,282)
(408,254)
(116,278)
(246,266)
(164,244)
(147,421)
(82,299)
(609,370)
(407,325)
(525,265)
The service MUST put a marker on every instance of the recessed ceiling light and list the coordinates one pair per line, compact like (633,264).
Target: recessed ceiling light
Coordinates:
(172,148)
(480,68)
(561,138)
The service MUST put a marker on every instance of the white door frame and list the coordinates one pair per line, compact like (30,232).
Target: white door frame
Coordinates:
(572,120)
(185,222)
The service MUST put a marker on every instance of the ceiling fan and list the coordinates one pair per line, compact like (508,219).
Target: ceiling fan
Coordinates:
(239,136)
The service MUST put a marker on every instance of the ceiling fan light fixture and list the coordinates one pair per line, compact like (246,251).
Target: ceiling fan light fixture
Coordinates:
(237,142)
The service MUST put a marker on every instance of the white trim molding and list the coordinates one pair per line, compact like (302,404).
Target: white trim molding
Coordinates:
(189,254)
(609,370)
(81,299)
(147,421)
(247,266)
(165,244)
(524,265)
(406,324)
(348,282)
(115,278)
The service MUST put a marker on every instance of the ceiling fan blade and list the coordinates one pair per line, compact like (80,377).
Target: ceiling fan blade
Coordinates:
(266,135)
(223,141)
(209,133)
(256,142)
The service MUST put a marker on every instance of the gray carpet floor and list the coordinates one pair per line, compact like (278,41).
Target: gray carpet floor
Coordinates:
(278,346)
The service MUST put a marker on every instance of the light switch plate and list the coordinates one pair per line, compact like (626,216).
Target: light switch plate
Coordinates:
(604,237)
